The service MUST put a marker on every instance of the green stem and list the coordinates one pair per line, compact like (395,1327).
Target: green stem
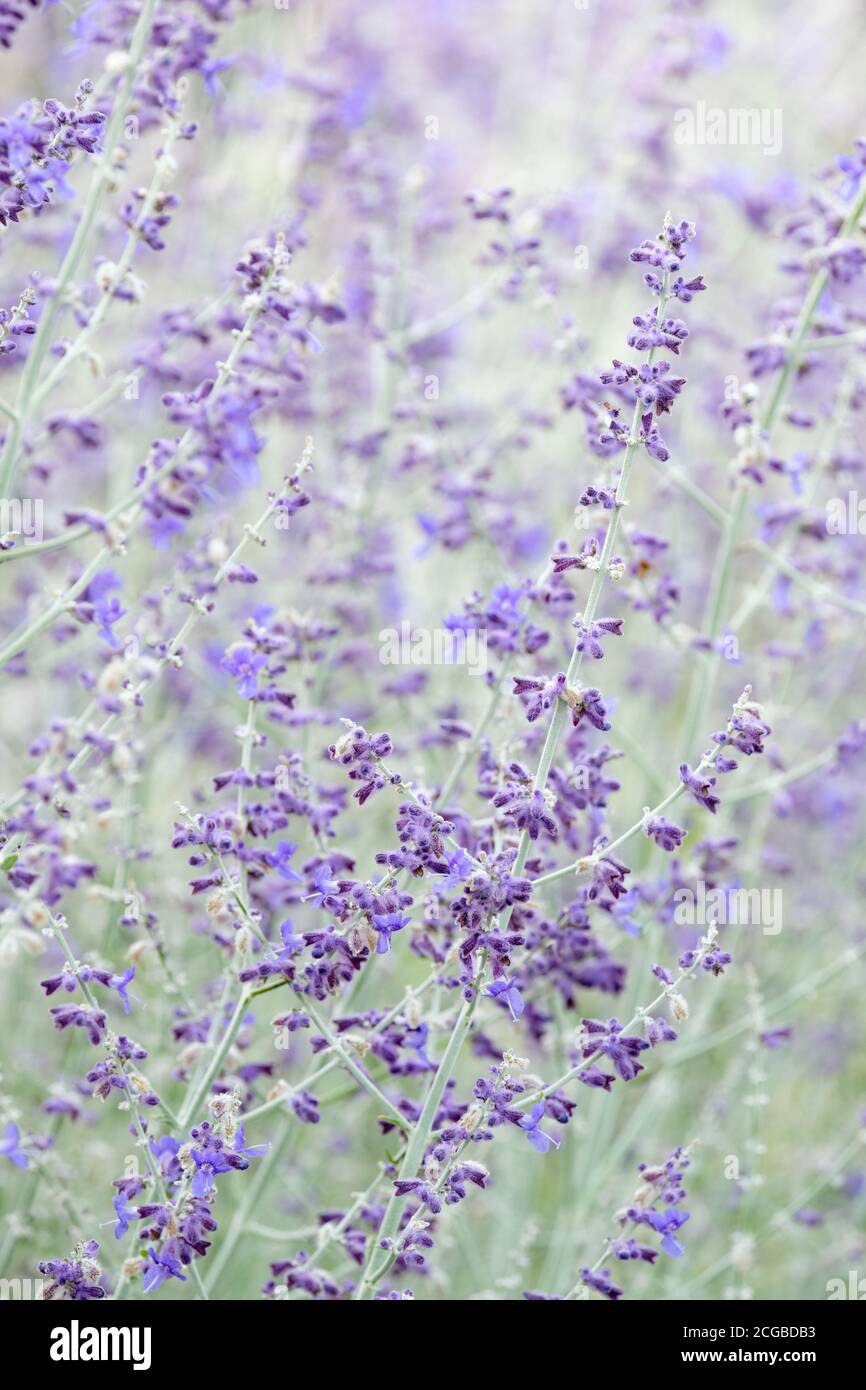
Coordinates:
(17,643)
(543,1092)
(77,248)
(702,687)
(240,1220)
(198,1092)
(417,1144)
(554,729)
(100,312)
(352,1067)
(470,745)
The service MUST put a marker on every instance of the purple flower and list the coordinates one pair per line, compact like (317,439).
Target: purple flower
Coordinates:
(323,884)
(119,983)
(158,1268)
(653,442)
(125,1214)
(745,732)
(590,497)
(608,876)
(244,663)
(10,1146)
(420,1190)
(627,1248)
(209,1163)
(658,1030)
(601,1282)
(366,752)
(589,635)
(776,1037)
(292,944)
(666,835)
(607,1038)
(459,868)
(507,992)
(685,290)
(306,1108)
(66,980)
(667,1223)
(650,383)
(78,1278)
(165,1151)
(536,1136)
(714,961)
(279,859)
(240,1145)
(93,1021)
(853,167)
(525,805)
(544,693)
(699,787)
(102,605)
(386,924)
(588,704)
(807,1216)
(595,1077)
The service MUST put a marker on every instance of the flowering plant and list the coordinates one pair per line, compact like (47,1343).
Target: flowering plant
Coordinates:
(310,937)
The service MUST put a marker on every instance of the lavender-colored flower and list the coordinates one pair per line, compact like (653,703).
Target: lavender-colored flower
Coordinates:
(324,884)
(244,664)
(78,1278)
(658,1030)
(699,787)
(525,805)
(627,1248)
(386,924)
(776,1037)
(119,983)
(591,497)
(93,1021)
(280,857)
(459,867)
(366,752)
(608,876)
(544,693)
(588,704)
(589,635)
(539,1140)
(665,834)
(158,1267)
(807,1216)
(667,1223)
(715,960)
(10,1146)
(125,1214)
(601,1282)
(607,1038)
(507,992)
